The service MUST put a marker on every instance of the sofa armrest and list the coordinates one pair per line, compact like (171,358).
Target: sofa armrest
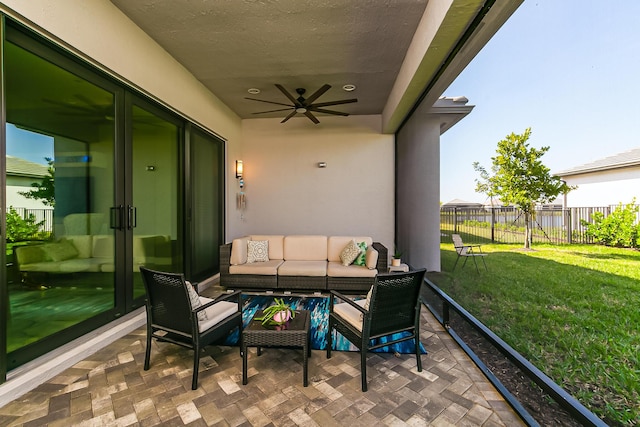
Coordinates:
(383,262)
(225,259)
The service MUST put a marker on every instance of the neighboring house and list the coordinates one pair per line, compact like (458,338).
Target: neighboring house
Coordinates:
(459,203)
(20,175)
(604,182)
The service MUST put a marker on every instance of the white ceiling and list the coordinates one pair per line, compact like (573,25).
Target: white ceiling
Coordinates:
(234,45)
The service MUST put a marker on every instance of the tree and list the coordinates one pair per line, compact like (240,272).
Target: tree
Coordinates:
(518,177)
(45,189)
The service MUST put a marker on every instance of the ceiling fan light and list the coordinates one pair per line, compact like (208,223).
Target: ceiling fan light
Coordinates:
(349,88)
(301,110)
(254,91)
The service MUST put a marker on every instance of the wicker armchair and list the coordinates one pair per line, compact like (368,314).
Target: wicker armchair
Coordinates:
(178,315)
(393,307)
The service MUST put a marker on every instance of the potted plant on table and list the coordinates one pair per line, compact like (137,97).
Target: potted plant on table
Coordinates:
(397,257)
(277,314)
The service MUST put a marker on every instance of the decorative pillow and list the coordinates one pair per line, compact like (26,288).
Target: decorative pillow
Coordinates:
(349,253)
(361,259)
(60,251)
(195,302)
(257,251)
(371,258)
(367,301)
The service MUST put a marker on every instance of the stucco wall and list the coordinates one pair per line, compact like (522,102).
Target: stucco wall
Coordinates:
(604,188)
(287,193)
(418,191)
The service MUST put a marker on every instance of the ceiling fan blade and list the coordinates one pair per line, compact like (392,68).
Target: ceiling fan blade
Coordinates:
(287,94)
(273,111)
(311,117)
(293,113)
(322,110)
(268,102)
(326,104)
(317,94)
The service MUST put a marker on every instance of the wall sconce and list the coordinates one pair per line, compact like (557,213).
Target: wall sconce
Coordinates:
(239,169)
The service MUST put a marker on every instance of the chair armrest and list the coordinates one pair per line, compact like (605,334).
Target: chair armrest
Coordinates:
(225,258)
(346,299)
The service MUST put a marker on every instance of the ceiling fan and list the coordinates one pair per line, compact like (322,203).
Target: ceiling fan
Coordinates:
(304,105)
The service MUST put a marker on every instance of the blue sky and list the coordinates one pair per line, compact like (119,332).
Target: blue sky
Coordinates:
(28,145)
(569,69)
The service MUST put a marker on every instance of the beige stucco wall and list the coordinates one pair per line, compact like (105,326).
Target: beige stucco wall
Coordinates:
(101,34)
(287,193)
(604,188)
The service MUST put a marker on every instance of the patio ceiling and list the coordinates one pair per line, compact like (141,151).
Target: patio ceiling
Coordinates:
(392,50)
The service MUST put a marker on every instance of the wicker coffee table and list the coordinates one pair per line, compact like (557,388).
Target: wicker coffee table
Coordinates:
(294,333)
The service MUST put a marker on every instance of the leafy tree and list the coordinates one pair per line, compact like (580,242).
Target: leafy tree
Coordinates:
(45,189)
(518,177)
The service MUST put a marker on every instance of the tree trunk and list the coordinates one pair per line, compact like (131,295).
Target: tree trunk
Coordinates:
(527,234)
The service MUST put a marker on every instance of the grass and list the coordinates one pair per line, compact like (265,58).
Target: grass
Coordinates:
(572,310)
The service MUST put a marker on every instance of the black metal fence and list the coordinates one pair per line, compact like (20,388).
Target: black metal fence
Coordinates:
(43,216)
(507,224)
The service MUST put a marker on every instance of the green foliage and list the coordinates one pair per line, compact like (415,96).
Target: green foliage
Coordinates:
(20,229)
(619,229)
(572,310)
(45,189)
(518,177)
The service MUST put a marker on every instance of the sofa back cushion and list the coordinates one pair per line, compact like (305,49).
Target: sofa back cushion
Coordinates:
(239,251)
(60,251)
(30,254)
(83,243)
(335,245)
(276,244)
(305,248)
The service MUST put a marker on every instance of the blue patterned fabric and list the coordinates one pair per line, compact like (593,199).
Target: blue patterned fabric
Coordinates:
(319,310)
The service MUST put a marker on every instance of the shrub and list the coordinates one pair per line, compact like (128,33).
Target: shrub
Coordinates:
(618,229)
(19,228)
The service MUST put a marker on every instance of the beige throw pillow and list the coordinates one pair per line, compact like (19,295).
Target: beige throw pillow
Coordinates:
(350,253)
(371,258)
(195,302)
(257,251)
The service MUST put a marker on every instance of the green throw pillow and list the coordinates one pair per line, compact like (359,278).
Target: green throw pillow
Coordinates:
(362,258)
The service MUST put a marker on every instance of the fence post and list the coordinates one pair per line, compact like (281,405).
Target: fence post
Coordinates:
(455,220)
(493,224)
(567,215)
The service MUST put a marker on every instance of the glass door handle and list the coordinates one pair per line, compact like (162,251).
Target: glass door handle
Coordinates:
(116,217)
(132,217)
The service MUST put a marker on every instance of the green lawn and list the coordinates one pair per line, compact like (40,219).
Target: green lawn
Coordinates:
(572,310)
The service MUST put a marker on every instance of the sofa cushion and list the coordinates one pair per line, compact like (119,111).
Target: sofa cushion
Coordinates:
(60,251)
(239,251)
(103,247)
(349,253)
(83,243)
(30,254)
(305,248)
(257,251)
(267,268)
(335,244)
(303,268)
(371,258)
(77,265)
(276,244)
(336,269)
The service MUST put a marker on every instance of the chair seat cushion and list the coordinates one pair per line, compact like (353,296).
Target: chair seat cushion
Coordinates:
(350,313)
(336,269)
(216,313)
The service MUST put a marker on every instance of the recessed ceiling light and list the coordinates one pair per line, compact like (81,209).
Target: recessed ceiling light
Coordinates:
(254,91)
(349,88)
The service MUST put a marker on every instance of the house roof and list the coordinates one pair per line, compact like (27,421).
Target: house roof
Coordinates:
(21,167)
(461,203)
(396,53)
(617,161)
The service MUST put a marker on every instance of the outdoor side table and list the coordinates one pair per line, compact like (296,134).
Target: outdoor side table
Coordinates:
(295,333)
